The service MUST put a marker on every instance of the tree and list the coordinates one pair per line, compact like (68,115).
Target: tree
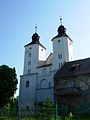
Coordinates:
(12,107)
(8,84)
(46,111)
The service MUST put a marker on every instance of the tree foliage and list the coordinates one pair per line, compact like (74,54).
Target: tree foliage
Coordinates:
(46,111)
(12,107)
(8,84)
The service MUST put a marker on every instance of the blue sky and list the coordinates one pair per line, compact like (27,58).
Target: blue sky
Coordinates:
(18,19)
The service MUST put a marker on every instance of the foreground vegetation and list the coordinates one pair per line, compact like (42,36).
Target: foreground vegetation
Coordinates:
(46,111)
(8,84)
(59,118)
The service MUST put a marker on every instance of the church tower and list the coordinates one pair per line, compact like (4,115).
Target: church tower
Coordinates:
(34,53)
(62,48)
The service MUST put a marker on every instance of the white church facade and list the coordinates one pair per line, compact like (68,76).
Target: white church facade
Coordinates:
(36,83)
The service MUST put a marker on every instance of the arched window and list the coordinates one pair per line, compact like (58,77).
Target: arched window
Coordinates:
(27,84)
(44,84)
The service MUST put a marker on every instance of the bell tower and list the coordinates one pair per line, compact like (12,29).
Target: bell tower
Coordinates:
(62,48)
(34,53)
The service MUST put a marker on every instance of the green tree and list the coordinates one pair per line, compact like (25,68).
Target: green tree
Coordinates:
(8,84)
(12,107)
(46,110)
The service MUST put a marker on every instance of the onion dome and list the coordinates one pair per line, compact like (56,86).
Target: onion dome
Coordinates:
(35,38)
(61,30)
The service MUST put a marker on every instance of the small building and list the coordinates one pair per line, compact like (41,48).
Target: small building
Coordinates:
(72,86)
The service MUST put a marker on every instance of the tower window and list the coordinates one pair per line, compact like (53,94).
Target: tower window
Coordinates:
(60,65)
(29,71)
(27,84)
(59,56)
(58,40)
(29,63)
(29,54)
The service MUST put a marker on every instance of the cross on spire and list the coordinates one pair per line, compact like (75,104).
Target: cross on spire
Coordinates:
(60,20)
(36,28)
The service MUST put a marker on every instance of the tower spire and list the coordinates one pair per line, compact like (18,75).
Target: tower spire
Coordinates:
(61,28)
(36,28)
(61,20)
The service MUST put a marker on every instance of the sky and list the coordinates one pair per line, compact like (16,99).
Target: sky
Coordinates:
(19,17)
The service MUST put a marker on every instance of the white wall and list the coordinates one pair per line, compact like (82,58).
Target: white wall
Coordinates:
(37,53)
(45,86)
(27,94)
(42,53)
(48,70)
(35,92)
(70,49)
(61,48)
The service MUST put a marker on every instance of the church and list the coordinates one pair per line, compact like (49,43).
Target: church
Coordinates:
(58,75)
(37,83)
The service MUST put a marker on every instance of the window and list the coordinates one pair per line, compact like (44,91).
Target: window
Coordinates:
(29,62)
(29,54)
(59,56)
(30,48)
(41,49)
(60,65)
(43,83)
(29,71)
(75,67)
(58,40)
(44,71)
(50,70)
(27,84)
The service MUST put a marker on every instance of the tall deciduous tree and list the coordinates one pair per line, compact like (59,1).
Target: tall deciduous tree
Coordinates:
(8,84)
